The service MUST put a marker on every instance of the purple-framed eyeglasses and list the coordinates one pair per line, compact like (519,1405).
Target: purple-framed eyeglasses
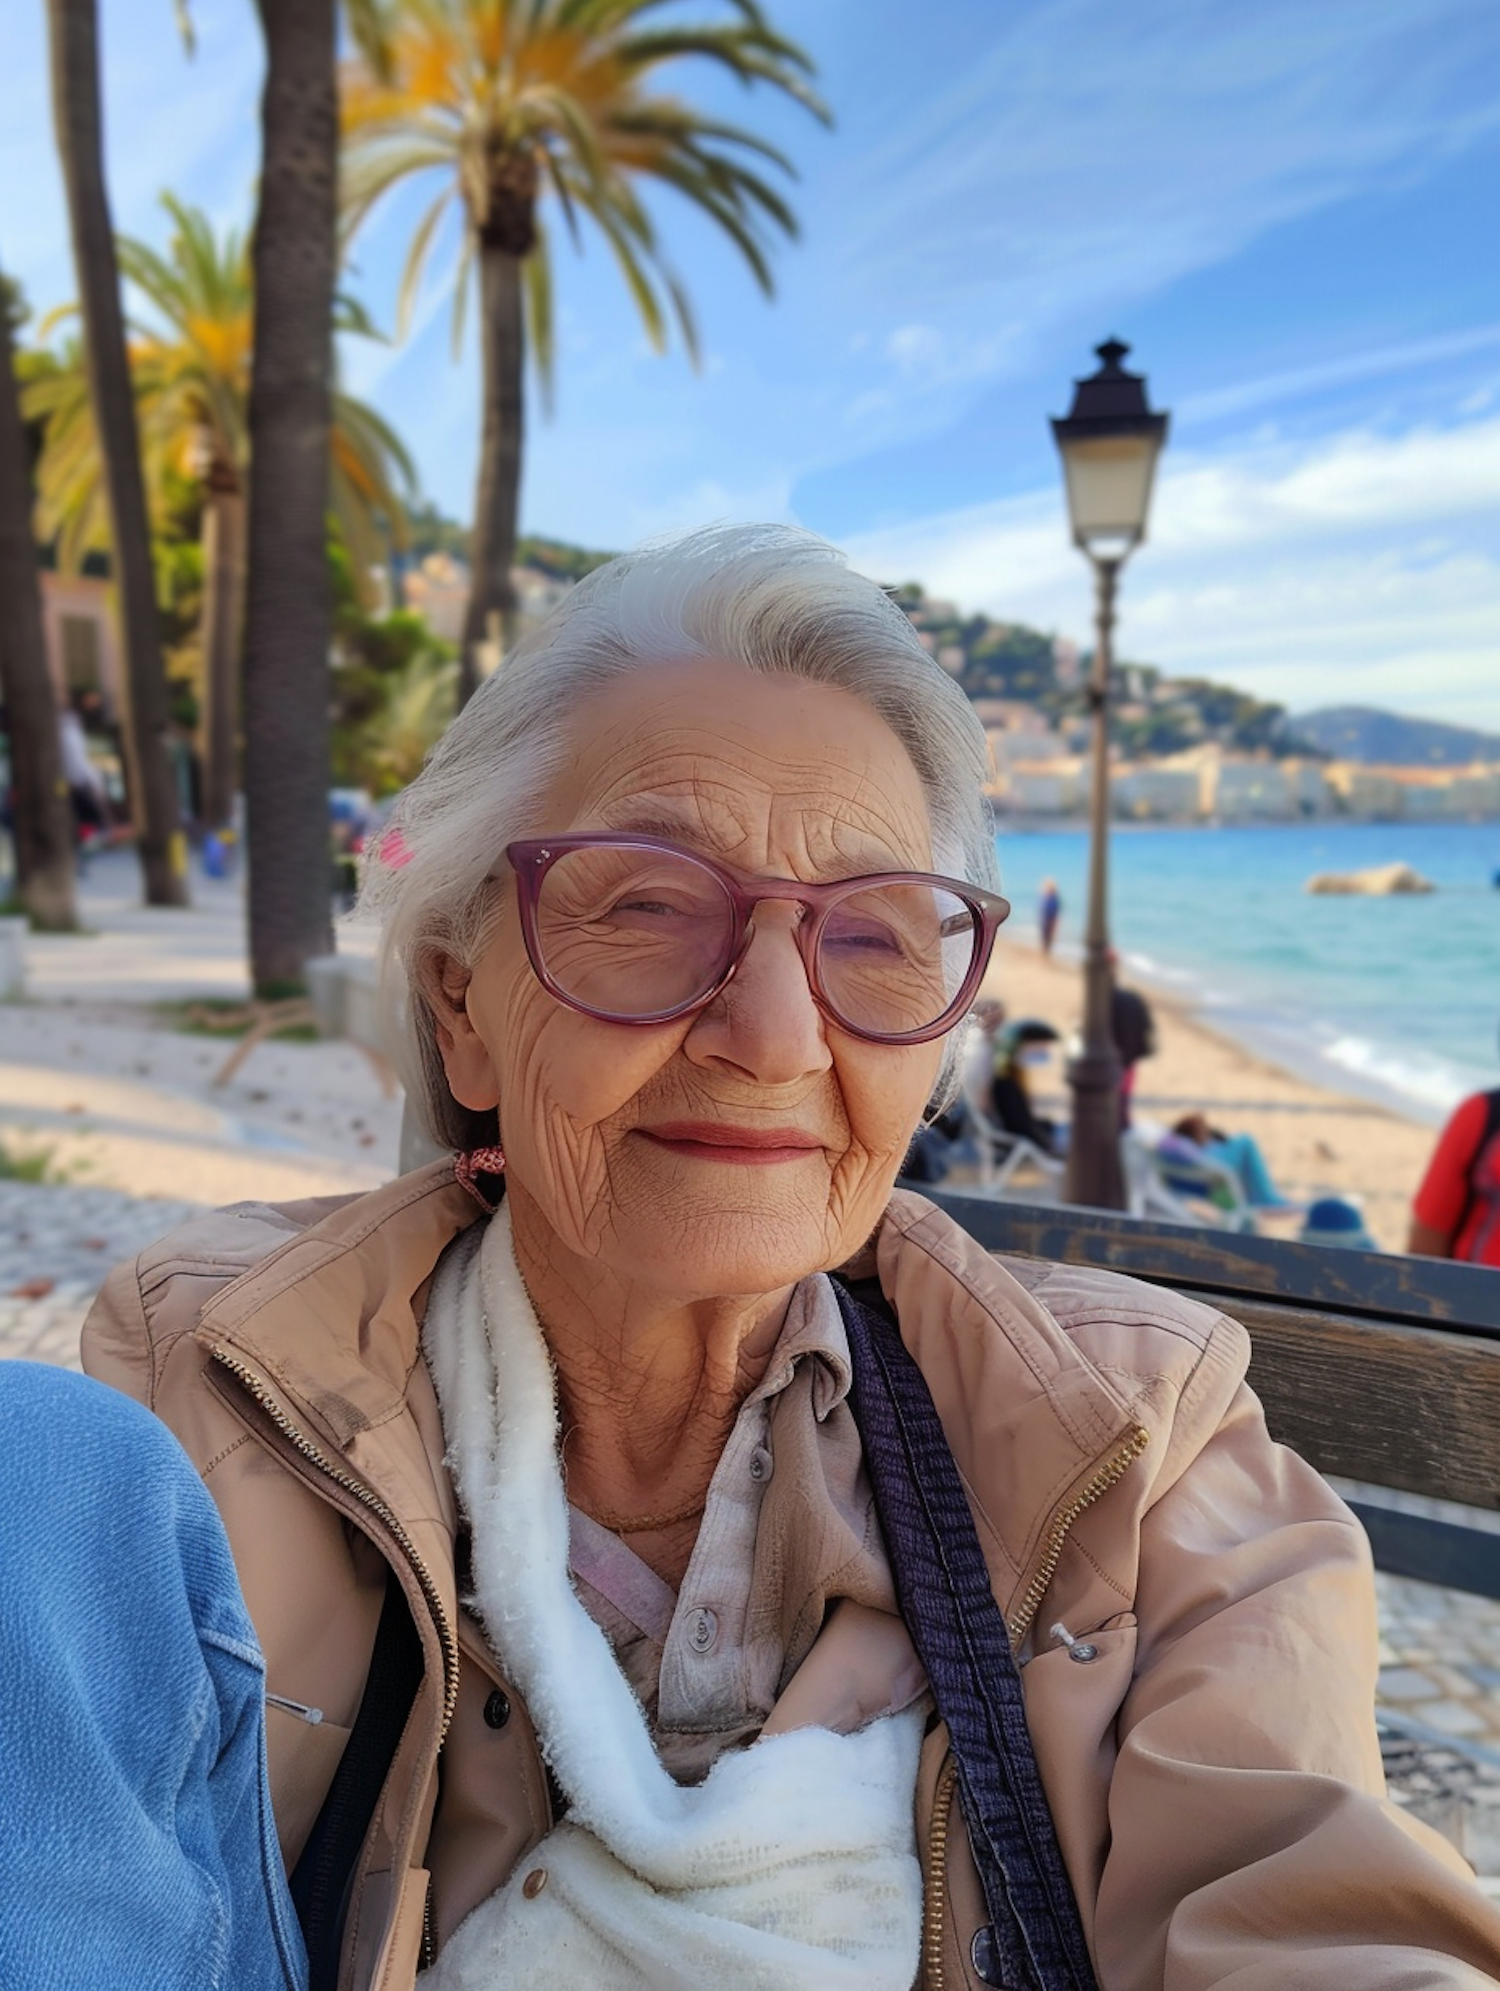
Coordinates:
(634,929)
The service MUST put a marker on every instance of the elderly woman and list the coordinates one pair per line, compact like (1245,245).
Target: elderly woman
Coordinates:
(639,1606)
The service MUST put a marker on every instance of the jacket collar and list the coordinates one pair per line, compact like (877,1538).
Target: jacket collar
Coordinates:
(332,1316)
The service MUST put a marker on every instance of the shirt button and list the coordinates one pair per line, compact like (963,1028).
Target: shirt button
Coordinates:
(760,1464)
(534,1882)
(497,1710)
(703,1629)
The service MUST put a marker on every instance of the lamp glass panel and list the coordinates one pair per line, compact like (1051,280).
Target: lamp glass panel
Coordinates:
(1109,484)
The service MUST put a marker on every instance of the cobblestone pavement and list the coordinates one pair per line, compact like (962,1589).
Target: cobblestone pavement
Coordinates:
(1439,1693)
(56,1244)
(1440,1659)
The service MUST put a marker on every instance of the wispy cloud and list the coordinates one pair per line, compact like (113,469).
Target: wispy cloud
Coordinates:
(1091,154)
(1242,397)
(1363,566)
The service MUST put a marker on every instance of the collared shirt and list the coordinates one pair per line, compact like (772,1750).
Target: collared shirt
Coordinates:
(788,1529)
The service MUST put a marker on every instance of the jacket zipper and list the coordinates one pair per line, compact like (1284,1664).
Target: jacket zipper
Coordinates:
(934,1975)
(1113,1469)
(251,1382)
(934,1879)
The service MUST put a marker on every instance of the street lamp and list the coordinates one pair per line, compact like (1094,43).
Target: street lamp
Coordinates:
(1109,442)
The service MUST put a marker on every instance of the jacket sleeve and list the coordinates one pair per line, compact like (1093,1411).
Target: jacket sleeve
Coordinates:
(1251,1844)
(116,1341)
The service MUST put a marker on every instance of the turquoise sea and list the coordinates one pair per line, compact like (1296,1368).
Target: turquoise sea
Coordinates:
(1397,999)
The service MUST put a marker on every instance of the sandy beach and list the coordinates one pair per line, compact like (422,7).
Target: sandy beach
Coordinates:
(1316,1141)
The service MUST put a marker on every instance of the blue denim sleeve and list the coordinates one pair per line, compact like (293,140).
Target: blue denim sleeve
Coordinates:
(137,1846)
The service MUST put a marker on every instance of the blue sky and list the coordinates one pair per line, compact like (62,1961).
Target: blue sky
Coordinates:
(1291,212)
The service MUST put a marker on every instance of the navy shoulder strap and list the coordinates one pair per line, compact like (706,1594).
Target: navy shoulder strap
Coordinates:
(1035,1939)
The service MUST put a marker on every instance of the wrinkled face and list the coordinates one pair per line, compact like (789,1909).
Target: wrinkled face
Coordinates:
(620,1140)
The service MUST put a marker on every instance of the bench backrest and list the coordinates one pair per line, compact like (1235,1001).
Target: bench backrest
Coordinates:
(1374,1368)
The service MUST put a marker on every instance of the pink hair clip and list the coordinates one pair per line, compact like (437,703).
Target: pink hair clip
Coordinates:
(468,1167)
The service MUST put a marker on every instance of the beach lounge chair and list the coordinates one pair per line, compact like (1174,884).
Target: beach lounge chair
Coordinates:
(1173,1189)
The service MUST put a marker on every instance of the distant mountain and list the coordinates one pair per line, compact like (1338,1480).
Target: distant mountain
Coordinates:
(1361,733)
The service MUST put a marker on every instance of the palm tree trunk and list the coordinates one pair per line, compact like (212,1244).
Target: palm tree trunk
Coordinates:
(492,600)
(76,112)
(223,618)
(42,822)
(288,606)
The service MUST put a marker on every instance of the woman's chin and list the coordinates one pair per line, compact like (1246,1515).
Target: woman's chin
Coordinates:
(720,1254)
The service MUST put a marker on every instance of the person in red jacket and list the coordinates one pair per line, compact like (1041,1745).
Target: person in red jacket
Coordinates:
(1456,1213)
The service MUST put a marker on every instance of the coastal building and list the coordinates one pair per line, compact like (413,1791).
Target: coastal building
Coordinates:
(1449,794)
(1371,794)
(83,643)
(1067,662)
(439,592)
(1014,716)
(1307,786)
(1054,787)
(1156,792)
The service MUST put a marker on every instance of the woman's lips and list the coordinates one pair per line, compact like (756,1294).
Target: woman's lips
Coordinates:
(748,1147)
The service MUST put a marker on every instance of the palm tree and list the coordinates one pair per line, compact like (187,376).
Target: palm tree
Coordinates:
(192,386)
(288,604)
(41,821)
(512,100)
(74,33)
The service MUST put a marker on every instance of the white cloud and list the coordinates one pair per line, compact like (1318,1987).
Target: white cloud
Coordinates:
(1362,567)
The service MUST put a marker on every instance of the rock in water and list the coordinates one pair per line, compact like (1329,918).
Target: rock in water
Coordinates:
(1380,881)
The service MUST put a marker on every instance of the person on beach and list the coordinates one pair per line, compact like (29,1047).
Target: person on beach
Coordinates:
(1456,1211)
(678,1557)
(1133,1028)
(1048,913)
(1193,1138)
(1023,1048)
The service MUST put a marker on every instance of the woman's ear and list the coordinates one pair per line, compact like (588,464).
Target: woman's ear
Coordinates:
(472,1078)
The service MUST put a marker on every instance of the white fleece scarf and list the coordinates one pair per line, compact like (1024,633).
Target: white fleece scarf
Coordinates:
(792,1867)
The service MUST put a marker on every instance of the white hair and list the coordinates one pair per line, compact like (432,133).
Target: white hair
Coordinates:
(769,597)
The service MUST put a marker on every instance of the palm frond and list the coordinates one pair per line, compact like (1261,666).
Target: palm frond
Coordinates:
(416,260)
(633,269)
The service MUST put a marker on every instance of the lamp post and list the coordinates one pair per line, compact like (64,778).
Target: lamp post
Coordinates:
(1109,442)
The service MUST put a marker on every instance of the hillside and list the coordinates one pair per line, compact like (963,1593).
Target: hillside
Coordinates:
(1154,714)
(1390,739)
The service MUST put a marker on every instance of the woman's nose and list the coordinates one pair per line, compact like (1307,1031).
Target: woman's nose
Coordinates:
(765,1021)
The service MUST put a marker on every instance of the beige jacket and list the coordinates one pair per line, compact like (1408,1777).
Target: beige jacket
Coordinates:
(1213,1772)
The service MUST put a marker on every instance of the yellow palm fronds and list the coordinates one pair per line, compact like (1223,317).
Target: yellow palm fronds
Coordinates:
(504,104)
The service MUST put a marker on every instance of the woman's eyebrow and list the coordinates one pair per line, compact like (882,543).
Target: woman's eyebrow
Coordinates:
(696,835)
(673,829)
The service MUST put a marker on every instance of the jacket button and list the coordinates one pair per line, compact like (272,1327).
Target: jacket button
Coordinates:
(497,1710)
(984,1954)
(534,1882)
(1083,1652)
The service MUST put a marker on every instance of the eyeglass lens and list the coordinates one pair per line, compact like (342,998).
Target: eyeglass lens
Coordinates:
(631,932)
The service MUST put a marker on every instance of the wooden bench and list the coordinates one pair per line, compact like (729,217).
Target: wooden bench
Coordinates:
(1377,1369)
